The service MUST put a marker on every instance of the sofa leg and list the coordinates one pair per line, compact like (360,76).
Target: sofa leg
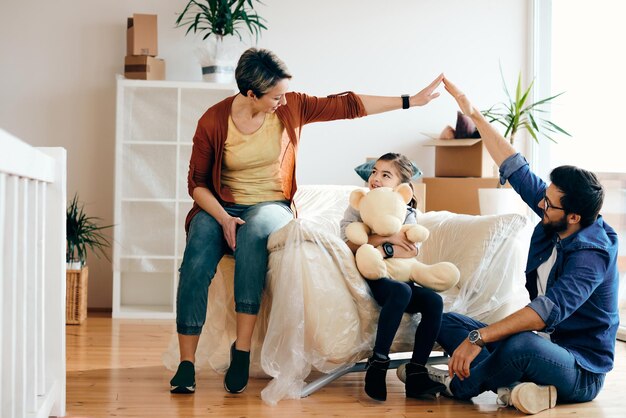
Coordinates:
(322,381)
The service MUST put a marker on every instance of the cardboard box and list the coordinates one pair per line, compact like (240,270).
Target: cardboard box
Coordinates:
(461,158)
(141,35)
(143,67)
(456,194)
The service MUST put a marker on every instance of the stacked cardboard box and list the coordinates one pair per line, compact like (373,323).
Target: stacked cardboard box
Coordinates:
(142,48)
(462,166)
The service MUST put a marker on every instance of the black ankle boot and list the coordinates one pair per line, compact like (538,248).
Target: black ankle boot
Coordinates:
(375,384)
(236,378)
(418,383)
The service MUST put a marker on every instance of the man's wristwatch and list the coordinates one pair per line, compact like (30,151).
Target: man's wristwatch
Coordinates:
(475,338)
(405,101)
(388,249)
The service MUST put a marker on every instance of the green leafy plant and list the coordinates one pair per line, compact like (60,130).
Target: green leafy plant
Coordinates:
(518,114)
(83,232)
(221,18)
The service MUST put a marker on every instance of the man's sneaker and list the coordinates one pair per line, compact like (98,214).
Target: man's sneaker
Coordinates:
(401,372)
(531,398)
(504,396)
(184,381)
(440,376)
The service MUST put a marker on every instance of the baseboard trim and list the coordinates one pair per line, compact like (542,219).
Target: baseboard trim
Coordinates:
(99,310)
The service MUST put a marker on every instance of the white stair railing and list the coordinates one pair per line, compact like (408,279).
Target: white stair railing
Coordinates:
(32,289)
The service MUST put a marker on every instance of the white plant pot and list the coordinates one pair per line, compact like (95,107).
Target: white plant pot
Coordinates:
(500,201)
(224,74)
(73,265)
(218,58)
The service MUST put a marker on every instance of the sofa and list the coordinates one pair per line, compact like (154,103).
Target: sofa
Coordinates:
(317,312)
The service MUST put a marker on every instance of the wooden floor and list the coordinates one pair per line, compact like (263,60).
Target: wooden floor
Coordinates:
(114,370)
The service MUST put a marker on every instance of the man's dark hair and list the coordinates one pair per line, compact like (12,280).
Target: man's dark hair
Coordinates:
(582,192)
(259,70)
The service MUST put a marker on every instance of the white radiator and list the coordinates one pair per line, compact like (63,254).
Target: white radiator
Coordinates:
(32,290)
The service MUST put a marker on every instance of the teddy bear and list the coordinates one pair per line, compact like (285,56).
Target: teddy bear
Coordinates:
(383,211)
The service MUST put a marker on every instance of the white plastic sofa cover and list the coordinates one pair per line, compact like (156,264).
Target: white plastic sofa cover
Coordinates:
(317,311)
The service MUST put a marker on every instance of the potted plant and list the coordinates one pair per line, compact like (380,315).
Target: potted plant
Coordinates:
(82,232)
(220,21)
(517,114)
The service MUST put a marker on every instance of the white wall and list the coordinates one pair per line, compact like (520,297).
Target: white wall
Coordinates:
(58,62)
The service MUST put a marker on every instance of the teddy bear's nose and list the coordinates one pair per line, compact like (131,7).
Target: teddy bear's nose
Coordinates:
(387,225)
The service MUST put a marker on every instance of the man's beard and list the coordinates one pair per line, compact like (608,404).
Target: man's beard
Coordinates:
(551,228)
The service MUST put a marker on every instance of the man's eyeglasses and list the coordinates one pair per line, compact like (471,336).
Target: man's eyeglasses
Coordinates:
(547,205)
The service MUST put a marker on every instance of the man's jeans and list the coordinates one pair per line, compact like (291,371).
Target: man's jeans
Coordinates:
(206,246)
(524,357)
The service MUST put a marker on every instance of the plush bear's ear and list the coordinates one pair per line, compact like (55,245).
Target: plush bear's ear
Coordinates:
(405,191)
(355,198)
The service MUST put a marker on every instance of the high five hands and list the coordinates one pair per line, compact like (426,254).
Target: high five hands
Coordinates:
(464,103)
(428,93)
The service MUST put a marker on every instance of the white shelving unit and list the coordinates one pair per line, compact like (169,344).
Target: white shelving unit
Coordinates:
(156,121)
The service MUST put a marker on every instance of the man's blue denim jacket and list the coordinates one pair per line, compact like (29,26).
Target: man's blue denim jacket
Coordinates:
(580,307)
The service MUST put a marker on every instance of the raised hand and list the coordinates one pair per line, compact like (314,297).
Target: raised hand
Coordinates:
(427,94)
(459,96)
(499,148)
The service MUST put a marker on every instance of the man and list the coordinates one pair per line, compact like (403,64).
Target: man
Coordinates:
(563,342)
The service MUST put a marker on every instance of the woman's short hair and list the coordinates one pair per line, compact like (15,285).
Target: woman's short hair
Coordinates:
(259,70)
(582,192)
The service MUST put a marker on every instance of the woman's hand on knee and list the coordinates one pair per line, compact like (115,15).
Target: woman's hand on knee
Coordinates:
(229,226)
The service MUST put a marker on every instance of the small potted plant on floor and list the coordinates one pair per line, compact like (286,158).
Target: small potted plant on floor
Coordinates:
(221,23)
(82,232)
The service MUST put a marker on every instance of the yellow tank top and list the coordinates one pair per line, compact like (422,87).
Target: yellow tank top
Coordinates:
(251,163)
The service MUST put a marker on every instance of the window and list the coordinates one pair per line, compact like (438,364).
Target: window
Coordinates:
(586,61)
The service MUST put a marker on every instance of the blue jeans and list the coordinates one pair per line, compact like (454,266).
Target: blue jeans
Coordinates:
(523,357)
(206,246)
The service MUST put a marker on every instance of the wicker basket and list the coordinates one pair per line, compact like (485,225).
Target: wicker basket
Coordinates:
(76,296)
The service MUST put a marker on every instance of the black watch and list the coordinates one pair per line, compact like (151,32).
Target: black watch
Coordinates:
(475,338)
(388,249)
(405,101)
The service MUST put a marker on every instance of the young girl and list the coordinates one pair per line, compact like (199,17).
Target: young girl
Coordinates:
(395,298)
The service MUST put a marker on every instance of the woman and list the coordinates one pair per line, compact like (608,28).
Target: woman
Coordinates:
(242,180)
